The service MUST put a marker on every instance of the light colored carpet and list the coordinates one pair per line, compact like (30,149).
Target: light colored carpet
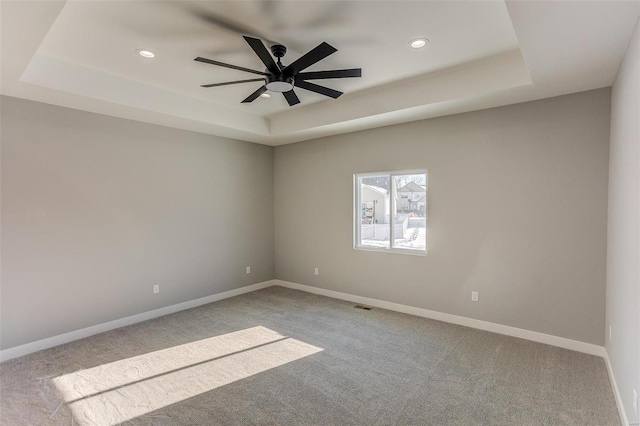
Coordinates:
(279,356)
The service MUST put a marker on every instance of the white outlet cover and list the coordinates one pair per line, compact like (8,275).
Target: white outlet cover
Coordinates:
(474,296)
(156,289)
(248,269)
(316,271)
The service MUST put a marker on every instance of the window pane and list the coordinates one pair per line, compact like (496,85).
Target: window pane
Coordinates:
(374,211)
(410,219)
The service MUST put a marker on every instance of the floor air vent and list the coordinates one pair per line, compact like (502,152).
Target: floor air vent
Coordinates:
(366,308)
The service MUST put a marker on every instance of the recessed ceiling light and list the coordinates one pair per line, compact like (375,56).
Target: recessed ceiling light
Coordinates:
(418,43)
(146,53)
(265,95)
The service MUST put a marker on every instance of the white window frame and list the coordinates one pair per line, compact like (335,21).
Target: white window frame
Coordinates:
(392,212)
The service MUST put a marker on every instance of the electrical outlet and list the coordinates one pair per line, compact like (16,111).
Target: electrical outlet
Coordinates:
(248,269)
(474,296)
(610,332)
(316,271)
(156,289)
(635,402)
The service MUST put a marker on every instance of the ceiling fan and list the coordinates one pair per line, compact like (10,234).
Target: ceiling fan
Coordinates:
(282,79)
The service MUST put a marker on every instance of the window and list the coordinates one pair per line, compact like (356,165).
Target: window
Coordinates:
(391,211)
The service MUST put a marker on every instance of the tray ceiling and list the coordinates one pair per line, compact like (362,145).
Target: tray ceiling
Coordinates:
(82,54)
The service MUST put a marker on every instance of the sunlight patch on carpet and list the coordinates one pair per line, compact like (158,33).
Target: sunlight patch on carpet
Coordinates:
(119,391)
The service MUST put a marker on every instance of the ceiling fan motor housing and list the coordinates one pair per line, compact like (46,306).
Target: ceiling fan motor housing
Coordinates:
(279,83)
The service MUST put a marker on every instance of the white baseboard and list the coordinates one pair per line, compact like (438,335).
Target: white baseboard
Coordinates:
(60,339)
(616,392)
(548,339)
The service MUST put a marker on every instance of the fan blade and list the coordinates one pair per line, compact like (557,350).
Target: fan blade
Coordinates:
(314,55)
(318,89)
(232,82)
(252,97)
(225,23)
(318,75)
(222,64)
(258,46)
(291,97)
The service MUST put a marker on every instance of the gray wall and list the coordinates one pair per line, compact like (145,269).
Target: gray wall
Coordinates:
(96,210)
(517,211)
(623,254)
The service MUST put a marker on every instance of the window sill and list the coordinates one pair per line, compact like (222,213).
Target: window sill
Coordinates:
(393,250)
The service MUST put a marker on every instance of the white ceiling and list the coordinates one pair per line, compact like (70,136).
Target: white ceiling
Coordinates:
(82,54)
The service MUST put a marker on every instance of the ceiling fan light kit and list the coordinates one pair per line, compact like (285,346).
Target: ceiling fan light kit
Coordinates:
(282,79)
(279,83)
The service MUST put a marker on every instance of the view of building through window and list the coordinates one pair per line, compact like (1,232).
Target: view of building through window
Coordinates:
(392,211)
